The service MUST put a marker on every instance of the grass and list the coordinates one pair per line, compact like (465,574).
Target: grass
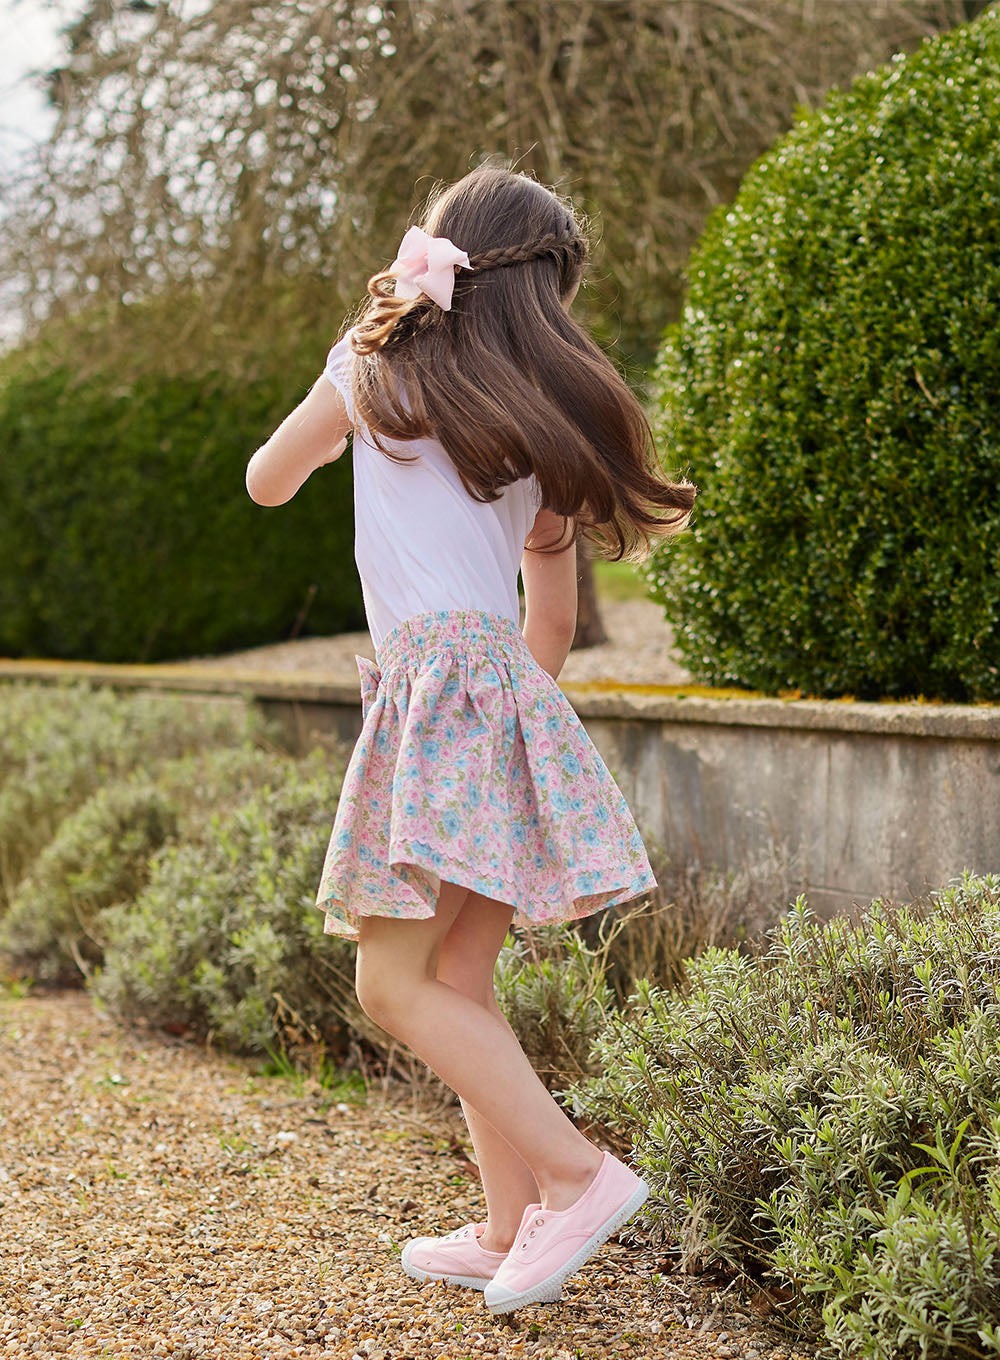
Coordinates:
(342,1087)
(235,1144)
(617,581)
(15,989)
(338,1084)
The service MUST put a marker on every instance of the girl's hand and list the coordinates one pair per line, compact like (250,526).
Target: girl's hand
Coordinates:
(314,434)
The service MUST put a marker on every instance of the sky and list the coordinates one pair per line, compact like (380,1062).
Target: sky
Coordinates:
(29,43)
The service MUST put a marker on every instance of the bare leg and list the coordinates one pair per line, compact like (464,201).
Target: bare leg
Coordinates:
(469,1046)
(466,962)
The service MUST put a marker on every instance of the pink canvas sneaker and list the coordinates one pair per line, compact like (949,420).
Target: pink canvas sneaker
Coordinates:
(457,1258)
(552,1243)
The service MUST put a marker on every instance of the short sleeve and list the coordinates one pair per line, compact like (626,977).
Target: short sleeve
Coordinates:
(338,371)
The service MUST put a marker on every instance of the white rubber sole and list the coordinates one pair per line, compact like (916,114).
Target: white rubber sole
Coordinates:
(470,1281)
(550,1289)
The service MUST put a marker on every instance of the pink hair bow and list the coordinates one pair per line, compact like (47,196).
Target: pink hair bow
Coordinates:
(426,264)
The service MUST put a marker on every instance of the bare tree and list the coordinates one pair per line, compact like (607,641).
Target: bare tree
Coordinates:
(237,145)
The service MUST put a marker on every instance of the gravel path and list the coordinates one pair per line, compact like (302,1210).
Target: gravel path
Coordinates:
(161,1200)
(639,651)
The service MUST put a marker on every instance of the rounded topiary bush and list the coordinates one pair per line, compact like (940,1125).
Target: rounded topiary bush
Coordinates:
(126,532)
(832,387)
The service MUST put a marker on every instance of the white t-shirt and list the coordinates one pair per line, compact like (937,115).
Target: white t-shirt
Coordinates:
(420,541)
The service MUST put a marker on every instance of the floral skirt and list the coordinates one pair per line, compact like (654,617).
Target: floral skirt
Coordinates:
(473,768)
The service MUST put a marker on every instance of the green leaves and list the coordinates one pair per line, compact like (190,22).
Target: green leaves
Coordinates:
(225,939)
(151,847)
(126,533)
(827,1113)
(551,986)
(831,390)
(59,745)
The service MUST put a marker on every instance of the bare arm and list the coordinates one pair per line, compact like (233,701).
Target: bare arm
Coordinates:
(315,433)
(549,592)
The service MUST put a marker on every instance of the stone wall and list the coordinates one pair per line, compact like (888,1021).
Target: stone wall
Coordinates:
(872,799)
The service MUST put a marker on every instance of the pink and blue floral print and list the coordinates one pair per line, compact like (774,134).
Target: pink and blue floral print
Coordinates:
(473,768)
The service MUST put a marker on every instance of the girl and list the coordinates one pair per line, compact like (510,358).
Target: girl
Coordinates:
(489,433)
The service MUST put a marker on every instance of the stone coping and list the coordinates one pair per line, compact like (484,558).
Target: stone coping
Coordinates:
(601,700)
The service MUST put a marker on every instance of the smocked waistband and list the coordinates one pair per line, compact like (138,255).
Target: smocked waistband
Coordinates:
(462,629)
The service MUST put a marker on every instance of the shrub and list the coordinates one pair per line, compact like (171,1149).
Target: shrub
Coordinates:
(100,855)
(126,533)
(551,986)
(832,387)
(225,940)
(696,906)
(827,1112)
(59,744)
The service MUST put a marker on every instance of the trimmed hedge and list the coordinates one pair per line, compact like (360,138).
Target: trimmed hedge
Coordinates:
(832,387)
(126,532)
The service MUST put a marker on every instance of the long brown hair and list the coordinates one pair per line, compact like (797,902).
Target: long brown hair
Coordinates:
(507,380)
